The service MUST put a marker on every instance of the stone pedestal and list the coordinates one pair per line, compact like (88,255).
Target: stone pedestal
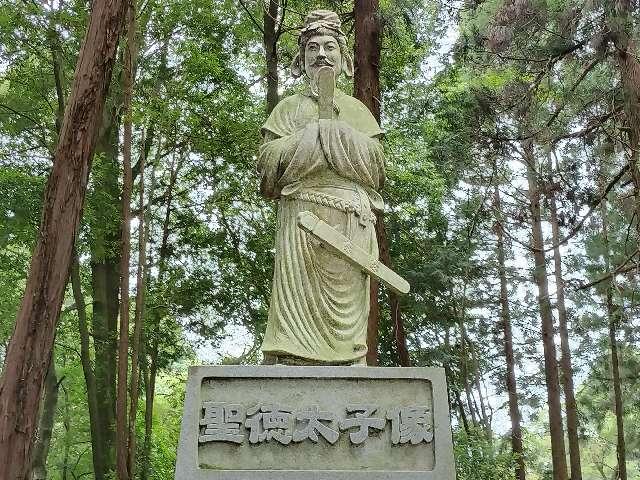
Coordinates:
(320,423)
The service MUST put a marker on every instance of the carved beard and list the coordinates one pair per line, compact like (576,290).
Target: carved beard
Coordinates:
(315,68)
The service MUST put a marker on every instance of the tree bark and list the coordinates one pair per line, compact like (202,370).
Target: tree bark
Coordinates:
(399,333)
(558,455)
(141,277)
(571,406)
(122,429)
(450,382)
(464,371)
(505,316)
(51,387)
(366,80)
(270,40)
(613,315)
(45,425)
(143,236)
(29,352)
(477,376)
(150,390)
(366,88)
(613,312)
(105,281)
(621,32)
(150,384)
(89,378)
(139,319)
(67,434)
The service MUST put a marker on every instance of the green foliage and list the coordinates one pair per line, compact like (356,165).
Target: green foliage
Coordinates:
(480,459)
(20,202)
(167,419)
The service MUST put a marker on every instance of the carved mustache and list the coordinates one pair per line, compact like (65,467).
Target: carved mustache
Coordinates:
(322,63)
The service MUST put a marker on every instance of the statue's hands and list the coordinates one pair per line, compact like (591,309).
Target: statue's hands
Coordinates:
(340,126)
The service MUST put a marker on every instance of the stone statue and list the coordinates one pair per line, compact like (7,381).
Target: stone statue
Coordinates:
(331,167)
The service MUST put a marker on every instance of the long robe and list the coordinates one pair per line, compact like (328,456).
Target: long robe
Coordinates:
(332,168)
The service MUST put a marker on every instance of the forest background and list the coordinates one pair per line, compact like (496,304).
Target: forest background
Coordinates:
(513,208)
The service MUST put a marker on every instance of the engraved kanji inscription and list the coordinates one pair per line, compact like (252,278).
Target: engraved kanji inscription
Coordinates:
(270,422)
(364,420)
(222,422)
(229,422)
(413,424)
(314,419)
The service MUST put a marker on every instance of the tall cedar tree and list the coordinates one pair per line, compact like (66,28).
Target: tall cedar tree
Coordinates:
(122,430)
(150,381)
(541,279)
(613,316)
(29,353)
(505,315)
(566,363)
(366,88)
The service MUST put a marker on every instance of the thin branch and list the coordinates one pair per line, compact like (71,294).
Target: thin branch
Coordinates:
(582,76)
(622,268)
(592,125)
(253,19)
(592,207)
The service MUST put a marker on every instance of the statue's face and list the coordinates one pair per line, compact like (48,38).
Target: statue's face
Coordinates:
(322,50)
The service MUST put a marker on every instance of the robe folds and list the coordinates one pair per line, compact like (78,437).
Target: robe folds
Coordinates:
(332,168)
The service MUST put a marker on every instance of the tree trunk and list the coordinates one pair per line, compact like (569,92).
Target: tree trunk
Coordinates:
(270,40)
(29,352)
(53,39)
(464,371)
(558,455)
(366,80)
(456,392)
(51,386)
(622,34)
(477,376)
(45,425)
(613,314)
(105,292)
(366,88)
(67,435)
(89,378)
(565,362)
(505,315)
(105,281)
(150,384)
(143,236)
(122,429)
(399,334)
(150,390)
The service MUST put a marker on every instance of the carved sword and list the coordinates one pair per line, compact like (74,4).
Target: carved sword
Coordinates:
(344,248)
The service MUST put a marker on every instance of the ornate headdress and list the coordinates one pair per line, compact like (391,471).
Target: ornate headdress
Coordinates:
(321,22)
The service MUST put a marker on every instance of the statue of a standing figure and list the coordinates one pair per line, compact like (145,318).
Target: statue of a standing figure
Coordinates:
(331,166)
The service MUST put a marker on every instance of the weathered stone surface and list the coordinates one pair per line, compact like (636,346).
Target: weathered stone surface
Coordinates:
(343,248)
(324,423)
(321,153)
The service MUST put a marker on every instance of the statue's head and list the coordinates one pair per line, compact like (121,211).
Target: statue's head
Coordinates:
(322,42)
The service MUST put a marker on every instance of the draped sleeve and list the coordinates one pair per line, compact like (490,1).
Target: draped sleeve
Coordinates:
(297,145)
